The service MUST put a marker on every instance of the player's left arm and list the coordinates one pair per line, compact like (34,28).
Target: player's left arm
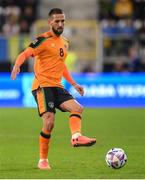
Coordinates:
(68,77)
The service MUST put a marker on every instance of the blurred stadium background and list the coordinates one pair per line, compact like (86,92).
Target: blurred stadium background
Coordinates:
(104,34)
(107,36)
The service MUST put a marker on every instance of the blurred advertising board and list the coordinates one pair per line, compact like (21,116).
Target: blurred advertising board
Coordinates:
(11,93)
(101,90)
(110,90)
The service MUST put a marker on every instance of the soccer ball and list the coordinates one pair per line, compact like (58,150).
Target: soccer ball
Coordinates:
(116,158)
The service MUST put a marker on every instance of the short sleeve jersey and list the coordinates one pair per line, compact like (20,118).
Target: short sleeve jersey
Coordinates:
(50,52)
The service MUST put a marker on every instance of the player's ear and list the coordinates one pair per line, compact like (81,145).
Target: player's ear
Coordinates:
(50,19)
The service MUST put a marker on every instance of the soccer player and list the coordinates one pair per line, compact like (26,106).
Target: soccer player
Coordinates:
(50,51)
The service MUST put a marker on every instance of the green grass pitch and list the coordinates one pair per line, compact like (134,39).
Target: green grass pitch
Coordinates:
(124,128)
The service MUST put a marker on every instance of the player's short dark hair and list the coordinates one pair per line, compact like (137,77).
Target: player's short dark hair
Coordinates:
(55,11)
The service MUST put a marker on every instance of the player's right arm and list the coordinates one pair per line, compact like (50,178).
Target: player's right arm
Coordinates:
(33,50)
(19,61)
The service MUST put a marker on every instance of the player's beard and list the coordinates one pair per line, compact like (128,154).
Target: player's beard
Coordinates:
(58,32)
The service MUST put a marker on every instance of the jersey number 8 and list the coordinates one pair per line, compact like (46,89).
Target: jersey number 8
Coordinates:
(61,52)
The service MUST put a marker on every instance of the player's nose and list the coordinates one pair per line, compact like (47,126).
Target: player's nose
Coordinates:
(60,24)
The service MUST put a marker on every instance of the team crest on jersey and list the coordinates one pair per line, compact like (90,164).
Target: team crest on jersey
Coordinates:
(51,104)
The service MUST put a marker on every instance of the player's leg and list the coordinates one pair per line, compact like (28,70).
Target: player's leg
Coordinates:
(75,118)
(44,139)
(47,114)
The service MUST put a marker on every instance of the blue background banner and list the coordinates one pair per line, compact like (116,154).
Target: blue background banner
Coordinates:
(101,90)
(111,90)
(11,93)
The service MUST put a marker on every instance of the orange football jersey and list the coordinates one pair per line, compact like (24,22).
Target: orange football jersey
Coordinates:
(50,52)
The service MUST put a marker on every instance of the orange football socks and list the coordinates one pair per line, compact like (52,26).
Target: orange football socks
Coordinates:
(75,122)
(44,140)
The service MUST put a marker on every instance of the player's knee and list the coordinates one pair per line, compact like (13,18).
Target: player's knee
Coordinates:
(81,109)
(49,125)
(78,108)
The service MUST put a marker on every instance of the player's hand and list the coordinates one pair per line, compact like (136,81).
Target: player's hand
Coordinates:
(15,72)
(79,88)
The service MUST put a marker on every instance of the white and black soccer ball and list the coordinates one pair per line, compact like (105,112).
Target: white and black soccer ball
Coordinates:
(116,158)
